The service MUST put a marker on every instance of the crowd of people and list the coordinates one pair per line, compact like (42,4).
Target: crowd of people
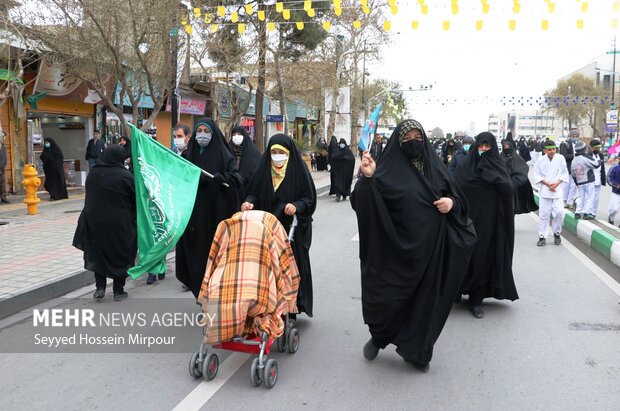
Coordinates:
(434,224)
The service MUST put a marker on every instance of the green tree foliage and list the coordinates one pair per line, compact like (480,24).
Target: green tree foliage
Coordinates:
(578,100)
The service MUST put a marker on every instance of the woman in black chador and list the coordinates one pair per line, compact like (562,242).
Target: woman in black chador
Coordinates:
(484,179)
(106,230)
(341,172)
(283,187)
(518,169)
(247,156)
(415,239)
(214,202)
(54,170)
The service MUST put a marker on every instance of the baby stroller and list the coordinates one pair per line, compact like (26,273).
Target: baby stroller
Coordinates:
(236,237)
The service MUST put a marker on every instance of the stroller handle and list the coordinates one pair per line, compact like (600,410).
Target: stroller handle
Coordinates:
(291,232)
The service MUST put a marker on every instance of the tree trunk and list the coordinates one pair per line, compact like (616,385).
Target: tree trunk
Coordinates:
(354,106)
(281,96)
(260,87)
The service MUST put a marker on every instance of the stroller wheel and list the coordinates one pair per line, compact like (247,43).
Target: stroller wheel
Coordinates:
(293,340)
(194,366)
(255,376)
(271,373)
(281,341)
(210,366)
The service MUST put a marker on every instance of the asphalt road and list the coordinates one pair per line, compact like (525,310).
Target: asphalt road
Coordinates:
(557,347)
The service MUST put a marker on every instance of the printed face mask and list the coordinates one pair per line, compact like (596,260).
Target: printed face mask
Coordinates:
(203,139)
(179,143)
(278,159)
(413,148)
(237,139)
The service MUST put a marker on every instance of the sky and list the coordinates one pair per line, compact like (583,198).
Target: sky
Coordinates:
(473,72)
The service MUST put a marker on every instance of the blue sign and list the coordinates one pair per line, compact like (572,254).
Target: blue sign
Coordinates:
(275,119)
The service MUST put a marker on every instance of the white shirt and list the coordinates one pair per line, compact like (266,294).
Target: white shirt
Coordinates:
(551,171)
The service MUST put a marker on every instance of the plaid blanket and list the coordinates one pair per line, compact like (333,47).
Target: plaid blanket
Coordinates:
(251,278)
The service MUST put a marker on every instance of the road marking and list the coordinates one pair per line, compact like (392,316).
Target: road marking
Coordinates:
(596,270)
(205,390)
(356,237)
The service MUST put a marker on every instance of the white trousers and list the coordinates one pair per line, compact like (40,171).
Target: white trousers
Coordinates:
(596,197)
(570,192)
(550,208)
(586,195)
(614,206)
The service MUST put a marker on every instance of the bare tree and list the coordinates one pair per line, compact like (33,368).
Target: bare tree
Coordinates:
(130,41)
(362,35)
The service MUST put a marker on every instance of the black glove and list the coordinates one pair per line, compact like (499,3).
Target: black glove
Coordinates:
(218,179)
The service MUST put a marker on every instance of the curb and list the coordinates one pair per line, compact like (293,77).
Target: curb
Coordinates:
(54,288)
(604,243)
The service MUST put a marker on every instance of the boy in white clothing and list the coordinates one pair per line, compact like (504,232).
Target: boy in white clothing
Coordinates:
(583,170)
(551,174)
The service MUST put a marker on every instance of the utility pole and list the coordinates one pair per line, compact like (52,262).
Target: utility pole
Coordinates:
(174,97)
(613,87)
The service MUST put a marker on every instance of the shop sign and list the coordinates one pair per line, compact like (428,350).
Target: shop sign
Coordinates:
(189,105)
(275,118)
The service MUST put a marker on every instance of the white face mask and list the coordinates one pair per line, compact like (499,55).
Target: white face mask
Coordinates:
(203,139)
(342,145)
(179,143)
(237,139)
(278,159)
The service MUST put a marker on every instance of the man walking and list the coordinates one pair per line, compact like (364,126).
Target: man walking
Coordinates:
(94,149)
(567,149)
(582,170)
(551,174)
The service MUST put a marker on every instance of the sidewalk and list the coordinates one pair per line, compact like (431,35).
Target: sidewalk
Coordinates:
(37,260)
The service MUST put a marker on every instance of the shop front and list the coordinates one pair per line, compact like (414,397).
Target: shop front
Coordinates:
(62,107)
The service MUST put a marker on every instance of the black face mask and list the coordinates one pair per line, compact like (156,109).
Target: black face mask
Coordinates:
(507,150)
(413,148)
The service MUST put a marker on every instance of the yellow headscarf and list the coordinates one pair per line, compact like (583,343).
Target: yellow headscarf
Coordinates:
(278,173)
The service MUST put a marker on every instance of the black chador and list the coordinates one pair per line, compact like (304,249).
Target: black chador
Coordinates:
(246,155)
(272,188)
(484,179)
(518,170)
(214,202)
(413,257)
(342,167)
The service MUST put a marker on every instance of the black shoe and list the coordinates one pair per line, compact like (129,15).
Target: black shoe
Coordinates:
(577,216)
(4,200)
(184,288)
(610,221)
(422,368)
(338,199)
(370,350)
(99,294)
(120,296)
(161,276)
(476,311)
(152,279)
(589,217)
(541,241)
(557,240)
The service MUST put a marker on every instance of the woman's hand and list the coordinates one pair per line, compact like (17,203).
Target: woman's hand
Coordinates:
(290,209)
(444,205)
(247,206)
(368,165)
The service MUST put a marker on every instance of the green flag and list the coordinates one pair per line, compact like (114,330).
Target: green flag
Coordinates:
(166,186)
